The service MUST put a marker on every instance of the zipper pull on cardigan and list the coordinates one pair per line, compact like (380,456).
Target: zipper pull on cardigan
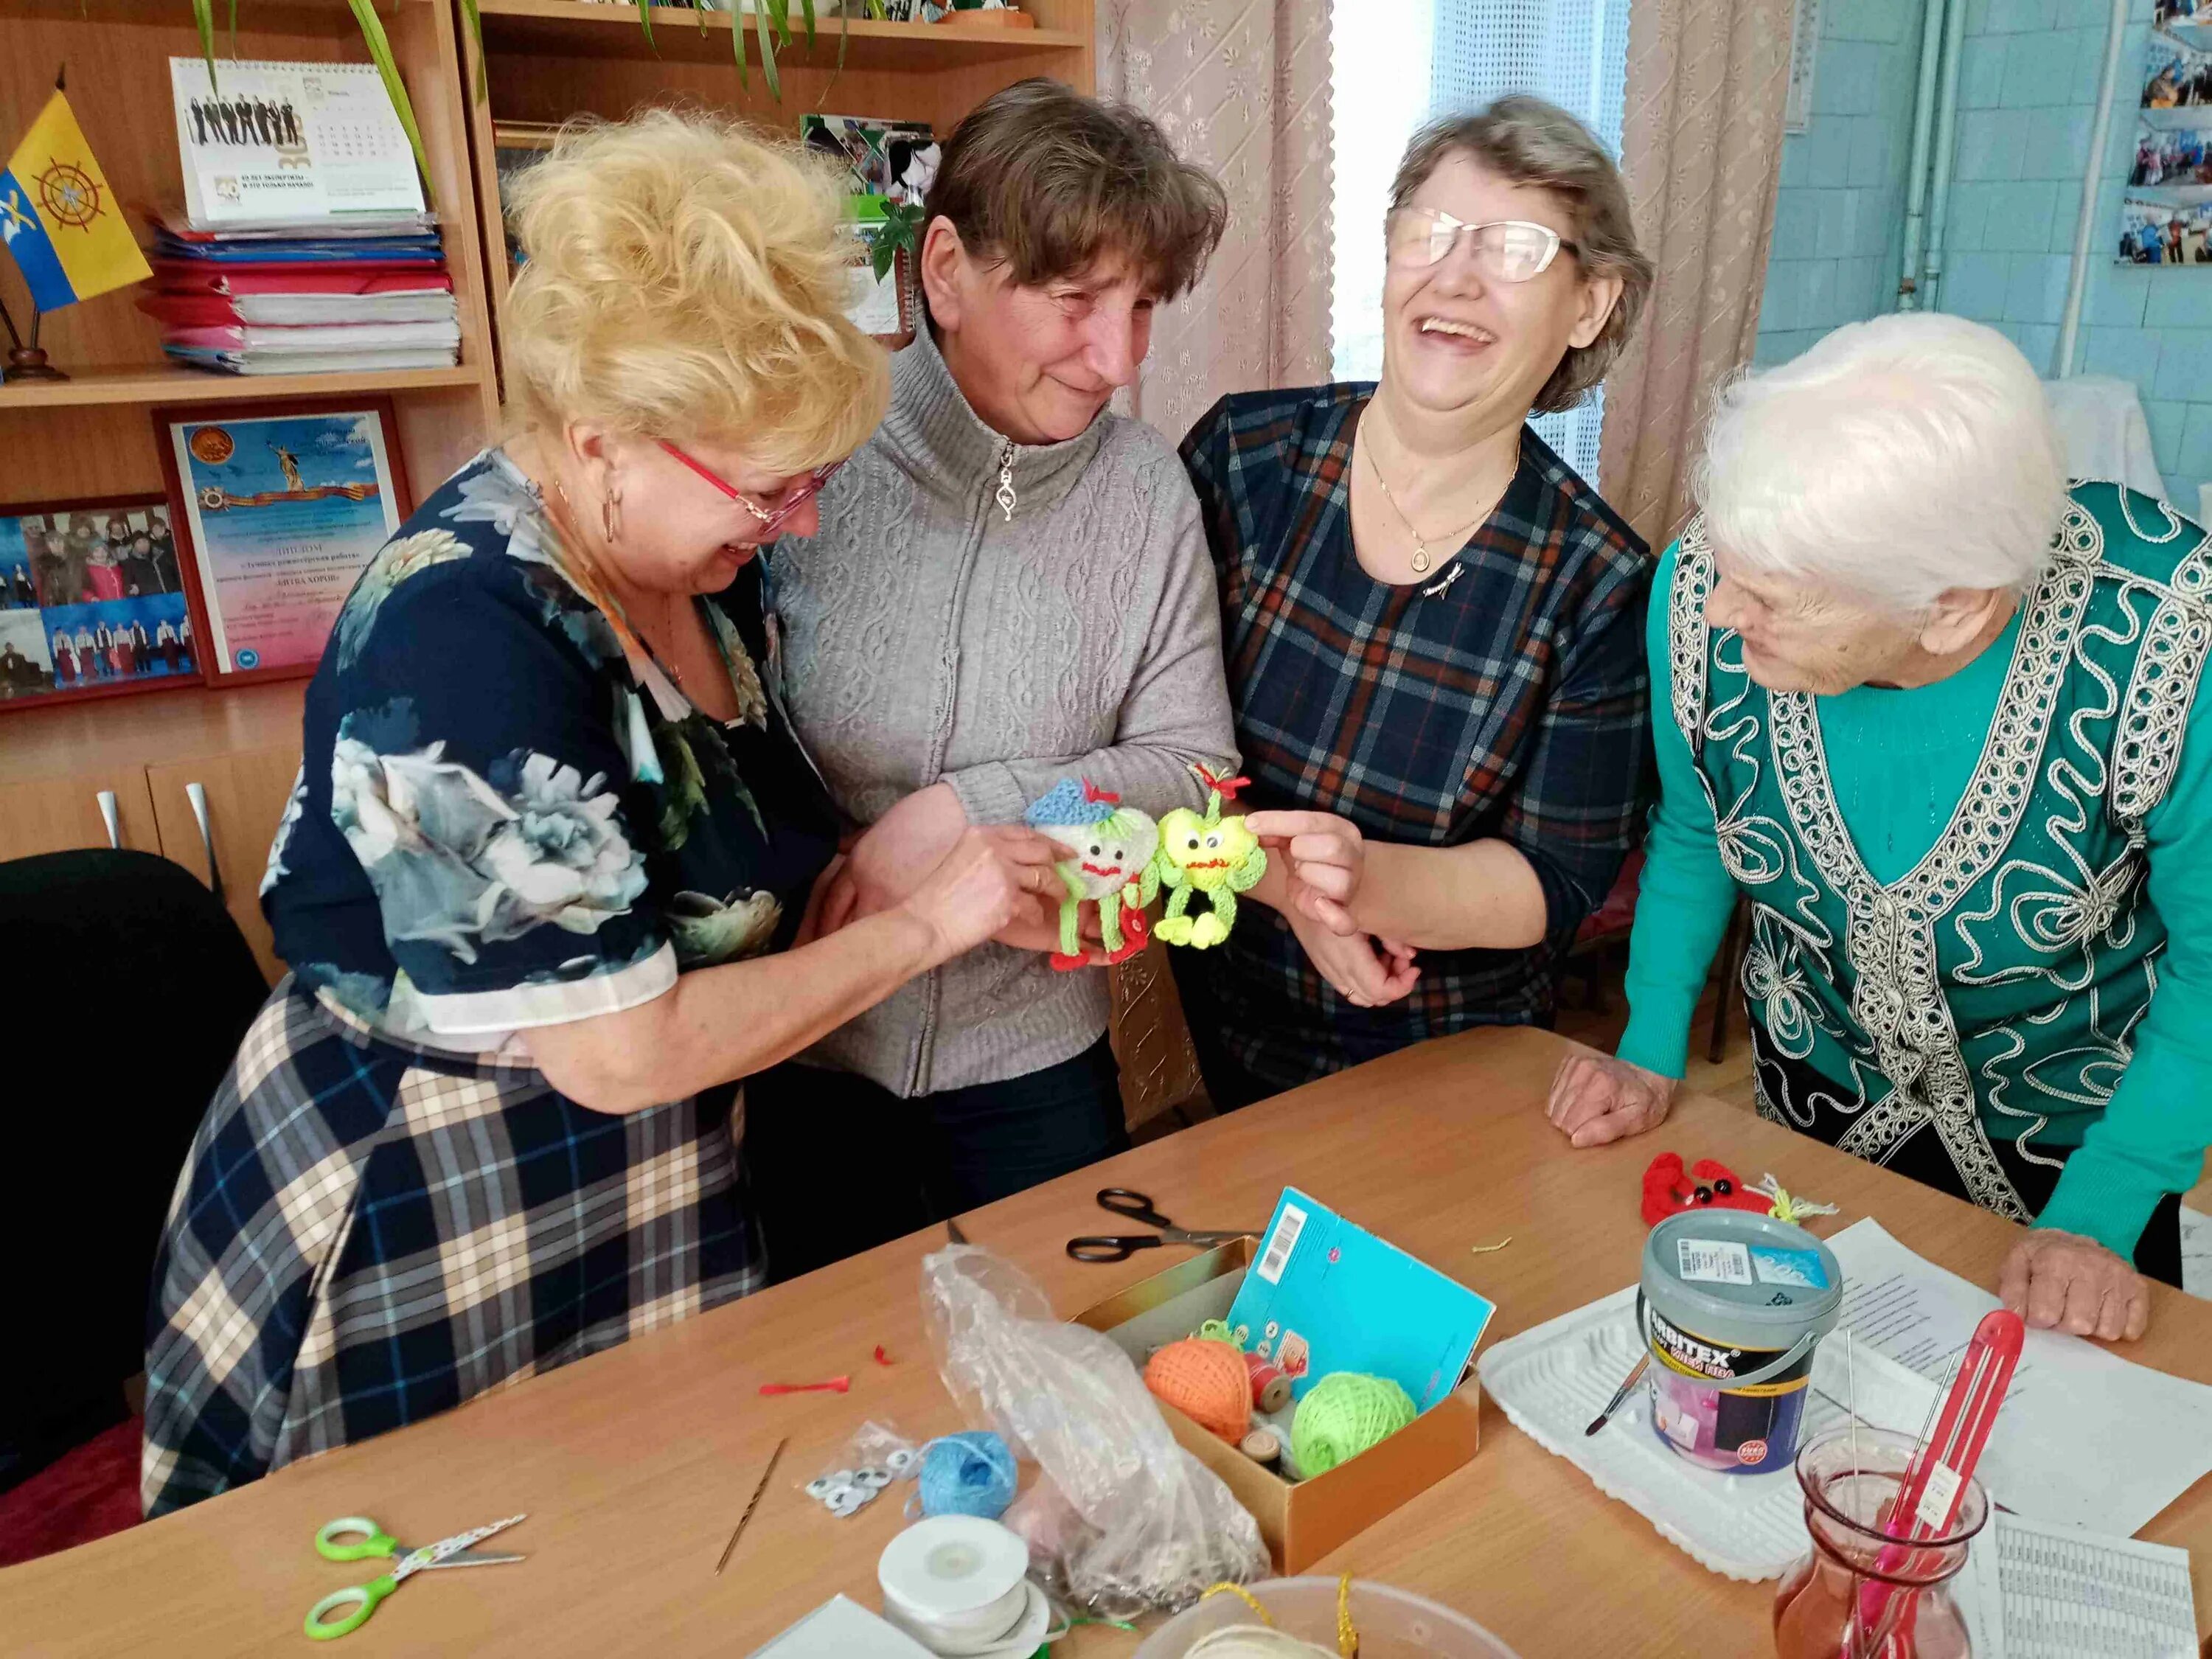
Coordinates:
(1005,497)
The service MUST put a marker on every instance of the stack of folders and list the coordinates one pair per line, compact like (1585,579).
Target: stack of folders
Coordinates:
(302,245)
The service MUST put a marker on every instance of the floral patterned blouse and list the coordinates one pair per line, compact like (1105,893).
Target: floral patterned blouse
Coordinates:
(498,822)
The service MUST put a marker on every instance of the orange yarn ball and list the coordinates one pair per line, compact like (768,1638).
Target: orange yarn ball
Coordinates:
(1207,1381)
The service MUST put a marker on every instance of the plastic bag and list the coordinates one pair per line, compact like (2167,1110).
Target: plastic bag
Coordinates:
(1157,1526)
(875,1456)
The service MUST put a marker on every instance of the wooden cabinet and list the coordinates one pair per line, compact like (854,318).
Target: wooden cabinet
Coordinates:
(53,815)
(217,816)
(241,748)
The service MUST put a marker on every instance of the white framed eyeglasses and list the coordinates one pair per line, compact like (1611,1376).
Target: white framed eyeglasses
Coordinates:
(1506,250)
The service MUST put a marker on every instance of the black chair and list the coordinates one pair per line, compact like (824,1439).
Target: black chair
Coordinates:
(128,989)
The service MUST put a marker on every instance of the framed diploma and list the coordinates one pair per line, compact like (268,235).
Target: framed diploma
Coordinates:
(281,506)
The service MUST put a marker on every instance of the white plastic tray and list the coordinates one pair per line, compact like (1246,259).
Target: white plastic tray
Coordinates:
(1551,1380)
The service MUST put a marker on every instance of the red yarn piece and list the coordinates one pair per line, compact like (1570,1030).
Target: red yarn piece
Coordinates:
(834,1385)
(1669,1190)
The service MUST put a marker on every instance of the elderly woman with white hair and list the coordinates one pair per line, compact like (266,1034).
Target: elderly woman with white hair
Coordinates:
(1933,713)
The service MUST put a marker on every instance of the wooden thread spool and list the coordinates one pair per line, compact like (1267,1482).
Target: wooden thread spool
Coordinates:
(1270,1389)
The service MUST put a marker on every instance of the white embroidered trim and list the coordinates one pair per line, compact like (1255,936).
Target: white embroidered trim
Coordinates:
(2155,717)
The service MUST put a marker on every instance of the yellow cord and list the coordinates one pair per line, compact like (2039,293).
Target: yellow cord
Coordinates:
(1485,1250)
(1347,1634)
(1243,1595)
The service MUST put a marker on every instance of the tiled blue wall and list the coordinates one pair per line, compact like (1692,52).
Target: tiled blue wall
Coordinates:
(1839,214)
(2028,96)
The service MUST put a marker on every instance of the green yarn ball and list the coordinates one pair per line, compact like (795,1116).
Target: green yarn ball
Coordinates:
(1342,1415)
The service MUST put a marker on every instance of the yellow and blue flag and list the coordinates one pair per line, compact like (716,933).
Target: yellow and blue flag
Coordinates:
(59,215)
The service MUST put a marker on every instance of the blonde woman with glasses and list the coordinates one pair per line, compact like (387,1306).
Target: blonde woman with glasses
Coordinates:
(1433,627)
(550,829)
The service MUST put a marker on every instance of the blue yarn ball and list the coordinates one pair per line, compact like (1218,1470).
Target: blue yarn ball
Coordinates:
(969,1473)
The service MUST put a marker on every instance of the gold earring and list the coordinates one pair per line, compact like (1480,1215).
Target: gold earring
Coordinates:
(611,513)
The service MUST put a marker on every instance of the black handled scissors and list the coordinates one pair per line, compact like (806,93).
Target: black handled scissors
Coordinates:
(1137,1206)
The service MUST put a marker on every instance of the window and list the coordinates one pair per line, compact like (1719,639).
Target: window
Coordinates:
(1464,53)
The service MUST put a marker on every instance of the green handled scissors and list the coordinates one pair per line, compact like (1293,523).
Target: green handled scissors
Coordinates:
(357,1538)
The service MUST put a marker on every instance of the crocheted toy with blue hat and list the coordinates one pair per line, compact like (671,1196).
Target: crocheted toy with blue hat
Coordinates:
(1111,847)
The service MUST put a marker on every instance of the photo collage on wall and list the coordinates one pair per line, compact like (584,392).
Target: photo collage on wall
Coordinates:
(2166,213)
(92,597)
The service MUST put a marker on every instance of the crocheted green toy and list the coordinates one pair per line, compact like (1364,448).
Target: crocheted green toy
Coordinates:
(1212,855)
(1112,863)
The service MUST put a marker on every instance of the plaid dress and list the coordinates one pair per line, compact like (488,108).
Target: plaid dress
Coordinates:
(499,824)
(1512,704)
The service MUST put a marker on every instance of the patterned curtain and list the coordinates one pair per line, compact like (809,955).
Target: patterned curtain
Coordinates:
(1701,142)
(1241,88)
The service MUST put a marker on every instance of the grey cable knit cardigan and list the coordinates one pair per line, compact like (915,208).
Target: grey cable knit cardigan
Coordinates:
(929,635)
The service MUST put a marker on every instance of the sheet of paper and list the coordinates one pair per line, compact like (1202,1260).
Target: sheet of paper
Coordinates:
(2032,1591)
(843,1629)
(2085,1439)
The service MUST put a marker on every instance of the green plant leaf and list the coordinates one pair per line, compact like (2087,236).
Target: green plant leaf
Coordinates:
(234,27)
(645,21)
(767,28)
(779,13)
(876,10)
(737,43)
(882,256)
(476,34)
(203,18)
(379,52)
(806,10)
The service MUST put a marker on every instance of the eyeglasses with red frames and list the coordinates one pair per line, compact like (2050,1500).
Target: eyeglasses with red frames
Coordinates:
(770,519)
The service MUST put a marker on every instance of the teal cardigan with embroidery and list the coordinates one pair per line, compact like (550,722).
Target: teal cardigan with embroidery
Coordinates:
(1898,762)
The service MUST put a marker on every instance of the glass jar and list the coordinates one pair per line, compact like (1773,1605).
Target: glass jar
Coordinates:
(1859,1594)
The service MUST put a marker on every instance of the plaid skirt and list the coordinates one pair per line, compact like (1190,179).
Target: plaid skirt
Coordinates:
(368,1233)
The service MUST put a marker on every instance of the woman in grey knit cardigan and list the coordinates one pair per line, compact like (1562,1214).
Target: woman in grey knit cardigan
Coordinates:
(1011,586)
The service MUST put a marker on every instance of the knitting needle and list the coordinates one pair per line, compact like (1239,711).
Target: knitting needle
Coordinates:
(730,1548)
(1619,1394)
(1852,1405)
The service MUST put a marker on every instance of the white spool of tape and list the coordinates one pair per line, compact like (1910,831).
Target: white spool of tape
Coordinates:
(958,1584)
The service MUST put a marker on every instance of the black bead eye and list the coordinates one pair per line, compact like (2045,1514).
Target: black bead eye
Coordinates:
(1723,1187)
(1094,849)
(1703,1195)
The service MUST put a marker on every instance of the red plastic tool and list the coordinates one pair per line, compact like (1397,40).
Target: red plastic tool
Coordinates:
(1936,1478)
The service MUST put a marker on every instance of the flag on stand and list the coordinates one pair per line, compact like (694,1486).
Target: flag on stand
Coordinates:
(58,216)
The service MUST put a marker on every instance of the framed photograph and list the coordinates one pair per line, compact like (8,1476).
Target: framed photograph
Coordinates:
(2164,234)
(94,601)
(895,160)
(281,506)
(2177,78)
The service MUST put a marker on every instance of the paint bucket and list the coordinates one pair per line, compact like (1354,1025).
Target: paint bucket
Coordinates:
(1731,1306)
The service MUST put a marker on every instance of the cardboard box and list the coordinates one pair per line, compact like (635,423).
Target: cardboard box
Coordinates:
(1301,1521)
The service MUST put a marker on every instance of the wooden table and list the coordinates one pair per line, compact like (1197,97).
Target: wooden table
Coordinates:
(634,1464)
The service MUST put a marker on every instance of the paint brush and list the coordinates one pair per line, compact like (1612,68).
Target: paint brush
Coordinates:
(1628,1383)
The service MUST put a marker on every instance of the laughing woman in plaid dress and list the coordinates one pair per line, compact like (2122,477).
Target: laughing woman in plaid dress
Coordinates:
(1433,626)
(548,816)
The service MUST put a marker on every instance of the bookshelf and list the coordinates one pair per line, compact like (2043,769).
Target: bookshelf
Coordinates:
(93,434)
(547,61)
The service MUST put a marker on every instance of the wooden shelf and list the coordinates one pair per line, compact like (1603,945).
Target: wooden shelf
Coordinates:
(89,387)
(609,28)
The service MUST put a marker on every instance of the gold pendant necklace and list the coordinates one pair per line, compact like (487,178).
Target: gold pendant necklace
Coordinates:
(1420,544)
